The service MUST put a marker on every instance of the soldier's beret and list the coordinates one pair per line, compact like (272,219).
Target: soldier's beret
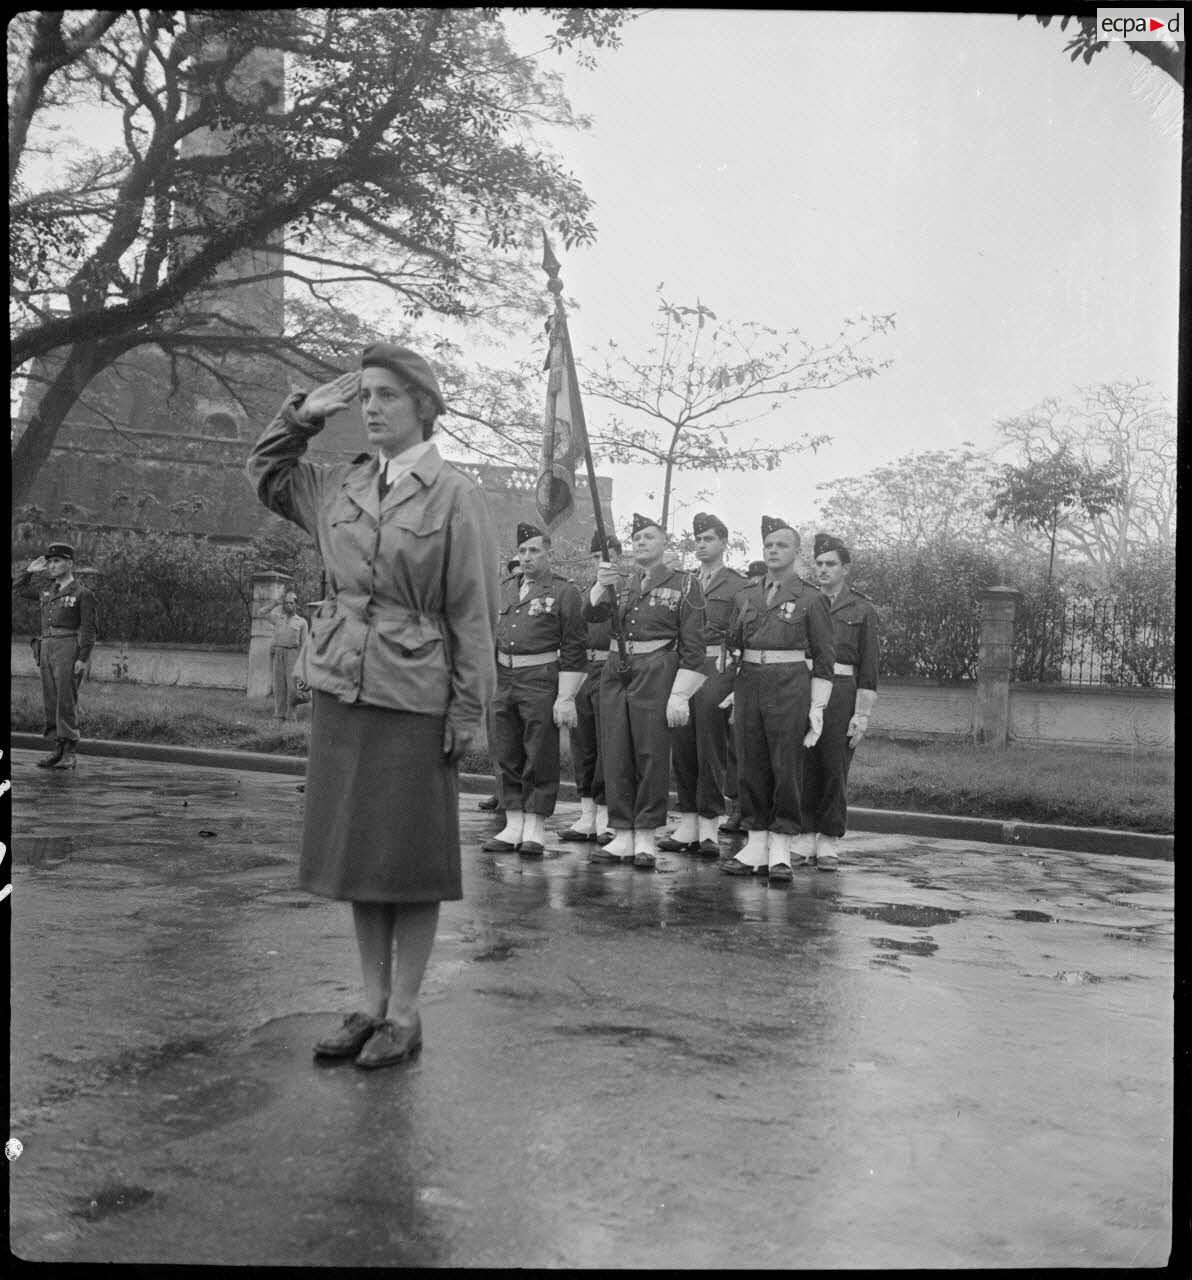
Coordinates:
(757,569)
(61,549)
(829,542)
(644,522)
(512,566)
(406,364)
(527,531)
(597,545)
(702,521)
(771,523)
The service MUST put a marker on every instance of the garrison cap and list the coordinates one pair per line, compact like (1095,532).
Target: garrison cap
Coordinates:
(644,522)
(702,521)
(757,569)
(825,542)
(597,545)
(527,531)
(772,523)
(63,550)
(406,364)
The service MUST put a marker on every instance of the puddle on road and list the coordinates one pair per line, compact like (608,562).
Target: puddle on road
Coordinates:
(110,1200)
(910,917)
(1040,917)
(920,947)
(42,851)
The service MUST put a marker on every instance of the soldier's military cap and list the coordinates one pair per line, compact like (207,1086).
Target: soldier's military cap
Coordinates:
(527,531)
(772,523)
(63,550)
(644,522)
(825,542)
(757,569)
(597,545)
(702,521)
(406,364)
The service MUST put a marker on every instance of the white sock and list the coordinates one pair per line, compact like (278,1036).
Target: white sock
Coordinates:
(687,829)
(622,842)
(779,848)
(534,828)
(803,846)
(709,829)
(586,822)
(755,852)
(644,841)
(601,819)
(514,823)
(826,845)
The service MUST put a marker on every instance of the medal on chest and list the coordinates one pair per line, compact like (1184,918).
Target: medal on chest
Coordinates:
(540,605)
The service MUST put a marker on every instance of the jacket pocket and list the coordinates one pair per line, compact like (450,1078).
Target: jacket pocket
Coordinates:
(413,636)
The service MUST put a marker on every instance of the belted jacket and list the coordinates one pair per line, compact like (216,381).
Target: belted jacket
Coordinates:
(548,618)
(797,618)
(855,634)
(409,618)
(65,606)
(670,608)
(720,603)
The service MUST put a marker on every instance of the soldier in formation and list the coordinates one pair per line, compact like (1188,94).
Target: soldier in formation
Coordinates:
(541,664)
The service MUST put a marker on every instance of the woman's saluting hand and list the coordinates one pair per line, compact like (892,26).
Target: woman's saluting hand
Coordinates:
(331,397)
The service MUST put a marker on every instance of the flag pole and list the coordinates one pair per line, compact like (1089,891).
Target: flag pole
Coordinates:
(552,266)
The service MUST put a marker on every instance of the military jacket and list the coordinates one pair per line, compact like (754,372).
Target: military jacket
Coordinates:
(720,602)
(855,632)
(66,606)
(411,608)
(289,631)
(548,618)
(671,608)
(797,618)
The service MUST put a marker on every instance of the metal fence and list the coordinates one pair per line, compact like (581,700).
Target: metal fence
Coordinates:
(1096,642)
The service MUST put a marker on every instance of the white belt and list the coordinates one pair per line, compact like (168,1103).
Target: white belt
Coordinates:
(527,659)
(597,655)
(763,657)
(838,668)
(638,646)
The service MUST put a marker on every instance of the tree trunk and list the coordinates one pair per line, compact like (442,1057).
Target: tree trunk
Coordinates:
(29,453)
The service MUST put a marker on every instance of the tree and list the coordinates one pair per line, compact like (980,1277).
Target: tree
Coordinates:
(398,156)
(1049,492)
(703,379)
(1085,44)
(1125,426)
(919,501)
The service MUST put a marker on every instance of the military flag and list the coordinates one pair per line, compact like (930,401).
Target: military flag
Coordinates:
(564,434)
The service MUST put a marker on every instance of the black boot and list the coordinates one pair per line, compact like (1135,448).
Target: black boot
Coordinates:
(69,758)
(48,762)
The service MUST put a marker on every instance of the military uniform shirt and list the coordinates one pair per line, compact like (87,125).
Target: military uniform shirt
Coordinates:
(796,618)
(66,606)
(546,619)
(854,631)
(720,601)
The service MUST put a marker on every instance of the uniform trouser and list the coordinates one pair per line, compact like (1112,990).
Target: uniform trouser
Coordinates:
(60,687)
(524,738)
(586,754)
(770,710)
(700,747)
(730,764)
(636,740)
(826,765)
(284,689)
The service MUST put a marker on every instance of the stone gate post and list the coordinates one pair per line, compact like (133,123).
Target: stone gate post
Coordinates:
(268,586)
(995,664)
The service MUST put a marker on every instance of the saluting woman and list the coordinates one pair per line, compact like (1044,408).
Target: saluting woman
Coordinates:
(400,661)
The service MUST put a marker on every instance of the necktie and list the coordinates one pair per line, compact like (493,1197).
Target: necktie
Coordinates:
(771,592)
(383,480)
(525,590)
(645,579)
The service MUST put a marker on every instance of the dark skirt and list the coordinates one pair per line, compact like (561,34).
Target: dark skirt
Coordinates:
(382,806)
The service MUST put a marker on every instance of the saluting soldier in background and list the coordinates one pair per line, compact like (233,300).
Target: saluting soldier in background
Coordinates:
(587,757)
(68,613)
(289,632)
(700,747)
(541,663)
(846,717)
(661,619)
(778,705)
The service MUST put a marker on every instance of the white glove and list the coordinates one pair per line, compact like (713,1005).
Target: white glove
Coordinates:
(727,704)
(821,691)
(565,714)
(866,700)
(678,713)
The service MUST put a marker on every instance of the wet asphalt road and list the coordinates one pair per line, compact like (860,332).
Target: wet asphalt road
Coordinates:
(945,1055)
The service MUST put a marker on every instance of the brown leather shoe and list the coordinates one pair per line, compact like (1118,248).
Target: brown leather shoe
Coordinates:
(389,1044)
(780,873)
(668,844)
(530,849)
(709,849)
(645,861)
(498,846)
(735,867)
(490,804)
(48,762)
(68,759)
(349,1039)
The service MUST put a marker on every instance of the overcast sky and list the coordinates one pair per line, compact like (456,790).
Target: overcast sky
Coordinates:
(1019,213)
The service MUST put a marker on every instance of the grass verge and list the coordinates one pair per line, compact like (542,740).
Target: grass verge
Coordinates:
(1065,785)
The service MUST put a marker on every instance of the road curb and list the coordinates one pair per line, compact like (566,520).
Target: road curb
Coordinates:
(944,826)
